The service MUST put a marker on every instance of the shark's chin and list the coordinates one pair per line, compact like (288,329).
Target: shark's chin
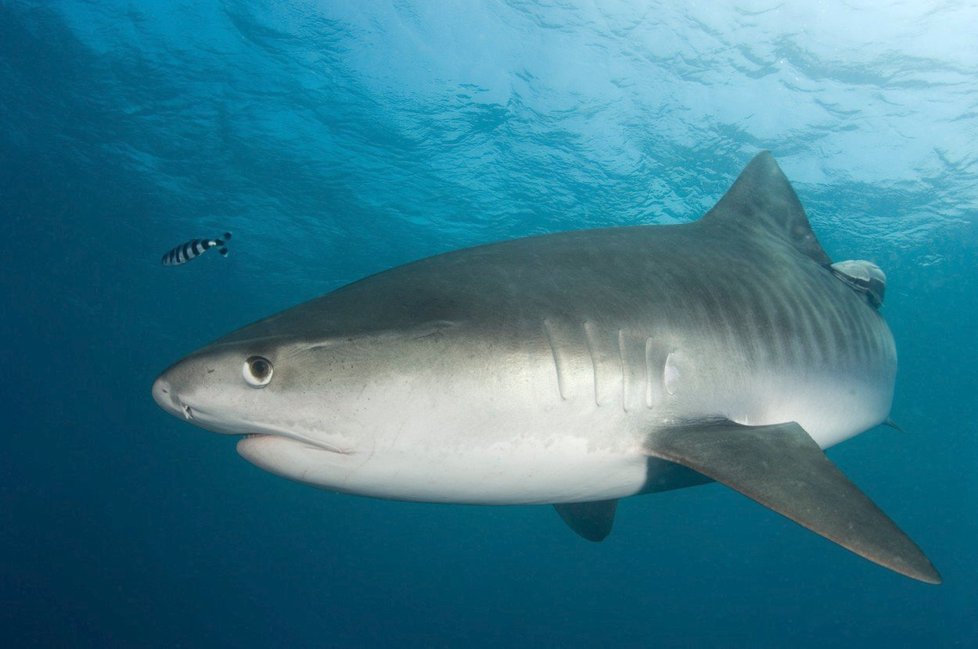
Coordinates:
(302,461)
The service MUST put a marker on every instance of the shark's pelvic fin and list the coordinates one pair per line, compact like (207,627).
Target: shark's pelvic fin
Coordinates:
(762,204)
(592,520)
(781,467)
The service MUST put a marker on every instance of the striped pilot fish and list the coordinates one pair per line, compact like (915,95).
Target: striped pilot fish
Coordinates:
(194,248)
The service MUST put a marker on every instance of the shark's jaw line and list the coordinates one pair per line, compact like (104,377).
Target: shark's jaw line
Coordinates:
(298,439)
(227,425)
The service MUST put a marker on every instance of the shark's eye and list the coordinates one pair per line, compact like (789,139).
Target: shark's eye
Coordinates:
(257,371)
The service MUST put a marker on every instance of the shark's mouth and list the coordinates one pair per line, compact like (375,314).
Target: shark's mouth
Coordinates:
(250,429)
(299,439)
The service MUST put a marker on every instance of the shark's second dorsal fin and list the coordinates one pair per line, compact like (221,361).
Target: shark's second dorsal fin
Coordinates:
(762,203)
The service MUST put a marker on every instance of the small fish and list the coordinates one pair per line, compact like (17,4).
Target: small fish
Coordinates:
(194,248)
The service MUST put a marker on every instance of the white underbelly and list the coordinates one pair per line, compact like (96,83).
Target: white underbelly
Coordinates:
(518,472)
(576,451)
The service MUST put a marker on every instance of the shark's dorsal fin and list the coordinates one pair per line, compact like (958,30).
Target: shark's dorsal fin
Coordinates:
(592,520)
(762,203)
(781,467)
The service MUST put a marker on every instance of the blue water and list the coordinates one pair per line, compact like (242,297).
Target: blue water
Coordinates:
(336,139)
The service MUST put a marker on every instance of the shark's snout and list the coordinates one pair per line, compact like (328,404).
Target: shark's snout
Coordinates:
(161,392)
(165,398)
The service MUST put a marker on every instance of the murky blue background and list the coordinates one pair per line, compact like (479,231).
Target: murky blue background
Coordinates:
(336,139)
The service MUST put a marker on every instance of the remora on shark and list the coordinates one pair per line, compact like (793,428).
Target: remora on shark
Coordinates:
(579,368)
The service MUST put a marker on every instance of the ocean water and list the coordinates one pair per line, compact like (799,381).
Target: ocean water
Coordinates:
(337,139)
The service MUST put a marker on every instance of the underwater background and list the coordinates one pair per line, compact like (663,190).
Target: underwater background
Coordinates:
(337,139)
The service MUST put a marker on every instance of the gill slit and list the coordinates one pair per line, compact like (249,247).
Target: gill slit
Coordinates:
(591,350)
(648,372)
(558,367)
(624,370)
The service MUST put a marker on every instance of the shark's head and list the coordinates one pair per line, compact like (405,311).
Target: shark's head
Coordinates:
(259,387)
(315,407)
(299,401)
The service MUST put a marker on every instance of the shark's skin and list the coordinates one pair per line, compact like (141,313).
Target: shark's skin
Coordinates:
(545,369)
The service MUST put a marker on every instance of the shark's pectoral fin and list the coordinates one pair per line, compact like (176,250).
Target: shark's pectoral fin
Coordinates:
(781,467)
(591,520)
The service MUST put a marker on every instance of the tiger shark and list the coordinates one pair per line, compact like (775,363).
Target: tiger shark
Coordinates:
(579,368)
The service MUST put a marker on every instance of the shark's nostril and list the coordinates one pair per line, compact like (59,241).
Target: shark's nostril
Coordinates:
(188,414)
